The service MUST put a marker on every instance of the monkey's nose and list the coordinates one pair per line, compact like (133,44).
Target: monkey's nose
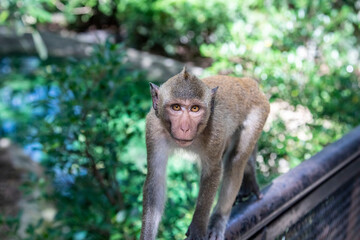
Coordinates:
(185,128)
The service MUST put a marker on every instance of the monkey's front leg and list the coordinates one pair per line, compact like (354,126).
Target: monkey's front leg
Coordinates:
(232,178)
(154,188)
(210,178)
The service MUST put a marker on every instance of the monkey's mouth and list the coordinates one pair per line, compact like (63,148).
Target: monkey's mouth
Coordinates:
(183,142)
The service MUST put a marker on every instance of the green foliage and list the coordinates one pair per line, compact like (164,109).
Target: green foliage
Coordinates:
(9,226)
(15,107)
(304,53)
(88,118)
(99,106)
(166,24)
(26,11)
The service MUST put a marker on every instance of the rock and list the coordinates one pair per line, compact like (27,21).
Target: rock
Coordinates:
(17,169)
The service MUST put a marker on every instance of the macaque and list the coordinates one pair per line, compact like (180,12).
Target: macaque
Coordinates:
(220,119)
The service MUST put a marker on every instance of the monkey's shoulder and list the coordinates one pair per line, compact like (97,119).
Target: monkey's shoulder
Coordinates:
(230,82)
(234,90)
(153,123)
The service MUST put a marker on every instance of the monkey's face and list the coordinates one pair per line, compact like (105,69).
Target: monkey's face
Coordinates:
(185,118)
(183,103)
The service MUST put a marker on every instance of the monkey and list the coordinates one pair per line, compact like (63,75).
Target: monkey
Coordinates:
(219,118)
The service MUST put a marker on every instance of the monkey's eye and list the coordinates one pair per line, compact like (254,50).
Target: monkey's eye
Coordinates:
(195,108)
(176,107)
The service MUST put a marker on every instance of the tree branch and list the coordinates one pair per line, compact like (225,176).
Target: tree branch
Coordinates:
(99,177)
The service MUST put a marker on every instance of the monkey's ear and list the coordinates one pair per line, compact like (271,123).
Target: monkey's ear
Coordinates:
(154,90)
(213,91)
(184,73)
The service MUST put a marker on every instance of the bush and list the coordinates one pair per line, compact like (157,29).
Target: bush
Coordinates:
(166,26)
(97,107)
(304,53)
(87,119)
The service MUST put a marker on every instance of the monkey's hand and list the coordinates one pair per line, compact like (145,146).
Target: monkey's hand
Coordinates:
(190,237)
(217,227)
(215,235)
(194,234)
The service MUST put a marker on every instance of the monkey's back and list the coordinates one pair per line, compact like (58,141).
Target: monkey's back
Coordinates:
(239,94)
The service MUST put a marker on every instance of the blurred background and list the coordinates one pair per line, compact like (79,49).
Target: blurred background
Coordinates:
(74,94)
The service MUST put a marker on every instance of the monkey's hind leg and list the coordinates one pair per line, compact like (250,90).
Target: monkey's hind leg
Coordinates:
(233,174)
(249,184)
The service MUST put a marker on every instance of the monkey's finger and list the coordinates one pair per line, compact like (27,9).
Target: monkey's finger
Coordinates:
(215,236)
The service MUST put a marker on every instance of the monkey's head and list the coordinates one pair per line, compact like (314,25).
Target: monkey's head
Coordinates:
(184,104)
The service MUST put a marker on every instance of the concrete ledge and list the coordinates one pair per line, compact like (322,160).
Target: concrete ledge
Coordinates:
(332,166)
(69,44)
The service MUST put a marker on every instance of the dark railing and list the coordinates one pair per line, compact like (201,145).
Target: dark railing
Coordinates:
(319,199)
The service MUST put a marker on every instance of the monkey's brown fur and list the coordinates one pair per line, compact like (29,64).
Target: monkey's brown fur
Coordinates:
(223,133)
